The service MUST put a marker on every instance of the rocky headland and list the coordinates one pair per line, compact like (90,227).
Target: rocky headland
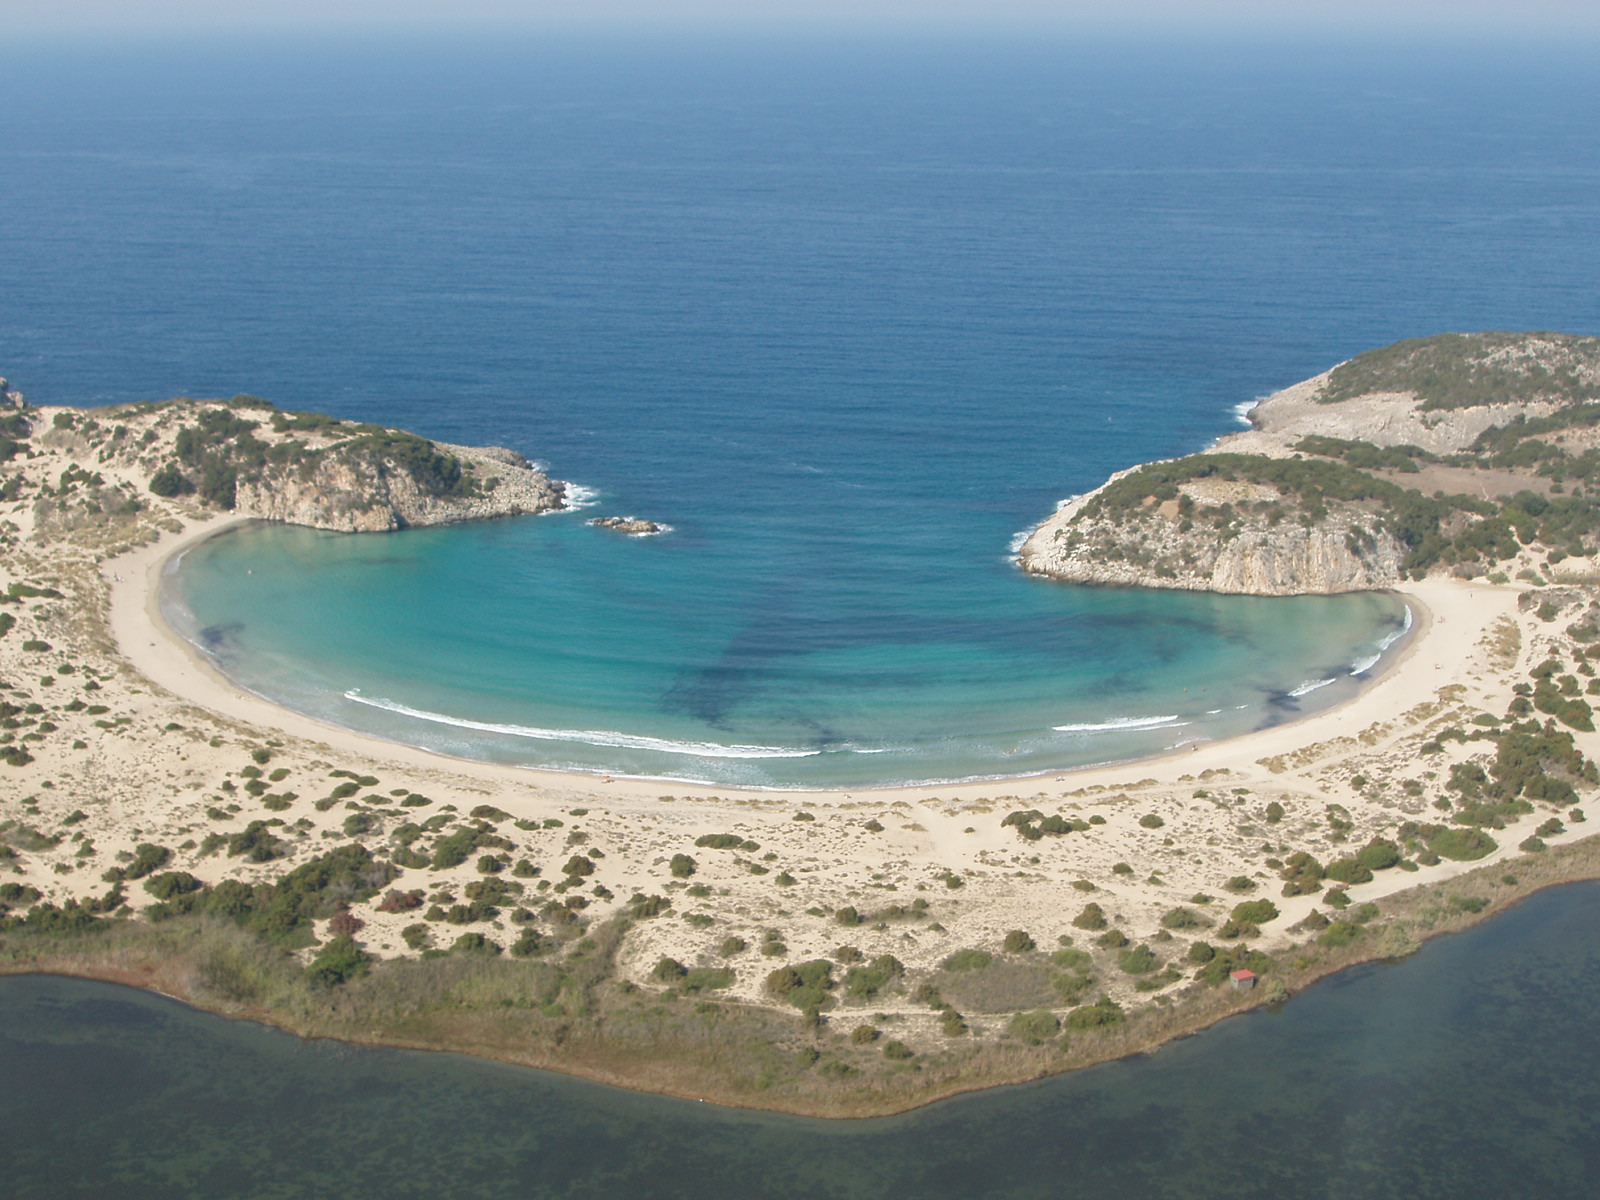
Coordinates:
(1448,453)
(247,457)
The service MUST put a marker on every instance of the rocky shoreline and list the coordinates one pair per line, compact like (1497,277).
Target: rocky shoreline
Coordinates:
(1385,468)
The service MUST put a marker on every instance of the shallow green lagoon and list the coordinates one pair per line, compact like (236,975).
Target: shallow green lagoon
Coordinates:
(1469,1070)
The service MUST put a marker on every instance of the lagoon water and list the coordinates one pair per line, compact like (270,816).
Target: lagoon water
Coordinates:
(846,317)
(1468,1071)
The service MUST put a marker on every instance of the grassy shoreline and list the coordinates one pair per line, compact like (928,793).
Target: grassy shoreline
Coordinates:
(719,1057)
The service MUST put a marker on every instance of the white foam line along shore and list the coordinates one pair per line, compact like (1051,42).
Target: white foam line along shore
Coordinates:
(1448,618)
(588,737)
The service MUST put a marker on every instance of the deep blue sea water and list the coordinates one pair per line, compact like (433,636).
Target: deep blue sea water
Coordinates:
(846,317)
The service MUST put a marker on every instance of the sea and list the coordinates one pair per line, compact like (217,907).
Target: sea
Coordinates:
(848,316)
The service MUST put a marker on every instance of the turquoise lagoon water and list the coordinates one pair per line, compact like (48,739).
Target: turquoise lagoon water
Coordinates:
(848,316)
(544,640)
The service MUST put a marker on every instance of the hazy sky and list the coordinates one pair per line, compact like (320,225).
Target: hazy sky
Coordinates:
(1352,15)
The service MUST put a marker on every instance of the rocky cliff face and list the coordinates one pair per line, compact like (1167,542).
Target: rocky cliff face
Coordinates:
(1250,555)
(245,456)
(361,494)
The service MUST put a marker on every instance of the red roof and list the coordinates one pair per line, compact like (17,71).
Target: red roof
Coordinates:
(1241,973)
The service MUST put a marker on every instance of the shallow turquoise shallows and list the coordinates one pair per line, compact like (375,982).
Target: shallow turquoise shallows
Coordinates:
(545,641)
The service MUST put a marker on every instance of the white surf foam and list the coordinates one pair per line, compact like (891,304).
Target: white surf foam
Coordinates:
(1241,411)
(1362,665)
(1405,628)
(1122,723)
(591,737)
(578,496)
(1309,686)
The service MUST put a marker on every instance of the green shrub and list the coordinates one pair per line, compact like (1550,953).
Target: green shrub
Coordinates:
(1034,1027)
(681,866)
(1339,933)
(805,985)
(577,867)
(865,982)
(1092,917)
(1141,960)
(1302,875)
(668,970)
(339,961)
(863,1035)
(1017,942)
(1348,870)
(1256,912)
(1201,952)
(169,481)
(1104,1011)
(475,943)
(1151,821)
(732,945)
(1183,918)
(146,858)
(1462,845)
(968,960)
(1241,883)
(898,1051)
(172,883)
(707,979)
(1378,855)
(726,841)
(256,843)
(1112,939)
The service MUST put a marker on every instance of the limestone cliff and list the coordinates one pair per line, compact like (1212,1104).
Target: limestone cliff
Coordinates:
(1247,548)
(248,457)
(364,493)
(1452,452)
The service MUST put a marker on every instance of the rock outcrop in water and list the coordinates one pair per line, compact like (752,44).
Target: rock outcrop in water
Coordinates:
(632,526)
(1437,453)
